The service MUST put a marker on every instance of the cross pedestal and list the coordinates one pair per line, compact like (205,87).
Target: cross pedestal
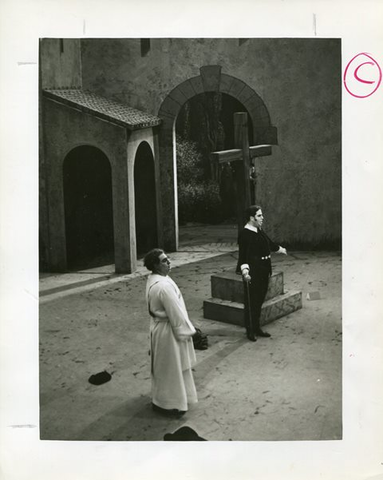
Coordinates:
(227,303)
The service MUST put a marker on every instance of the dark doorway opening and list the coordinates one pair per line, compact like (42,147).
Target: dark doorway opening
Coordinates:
(88,204)
(145,200)
(206,192)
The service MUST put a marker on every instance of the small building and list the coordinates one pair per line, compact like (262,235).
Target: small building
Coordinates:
(99,177)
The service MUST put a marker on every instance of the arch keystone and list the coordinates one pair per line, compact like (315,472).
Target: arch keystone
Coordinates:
(211,77)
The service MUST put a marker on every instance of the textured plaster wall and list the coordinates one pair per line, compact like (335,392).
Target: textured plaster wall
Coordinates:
(60,63)
(299,80)
(60,66)
(64,129)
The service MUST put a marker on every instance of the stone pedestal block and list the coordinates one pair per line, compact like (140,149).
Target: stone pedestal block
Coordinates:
(227,302)
(229,286)
(233,312)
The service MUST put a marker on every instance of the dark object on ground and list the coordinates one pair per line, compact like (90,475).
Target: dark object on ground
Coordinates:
(200,341)
(100,378)
(184,434)
(169,413)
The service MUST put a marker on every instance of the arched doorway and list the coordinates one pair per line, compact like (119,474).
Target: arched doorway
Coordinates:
(145,200)
(211,79)
(88,208)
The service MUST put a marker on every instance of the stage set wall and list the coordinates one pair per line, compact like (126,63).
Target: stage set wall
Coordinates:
(299,81)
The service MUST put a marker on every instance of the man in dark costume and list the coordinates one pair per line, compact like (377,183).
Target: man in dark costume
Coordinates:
(254,263)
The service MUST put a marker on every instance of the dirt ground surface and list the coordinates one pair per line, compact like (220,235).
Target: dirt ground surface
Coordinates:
(288,387)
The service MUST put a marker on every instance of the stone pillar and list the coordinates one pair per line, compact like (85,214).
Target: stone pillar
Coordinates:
(160,219)
(168,185)
(123,210)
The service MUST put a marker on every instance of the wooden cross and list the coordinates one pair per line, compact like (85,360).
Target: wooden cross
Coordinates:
(242,155)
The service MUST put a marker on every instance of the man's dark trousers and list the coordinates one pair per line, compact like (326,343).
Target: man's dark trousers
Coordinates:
(257,292)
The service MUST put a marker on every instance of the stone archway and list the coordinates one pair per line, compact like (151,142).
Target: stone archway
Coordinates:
(88,203)
(145,199)
(211,79)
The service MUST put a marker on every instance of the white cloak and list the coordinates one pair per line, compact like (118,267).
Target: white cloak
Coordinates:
(171,346)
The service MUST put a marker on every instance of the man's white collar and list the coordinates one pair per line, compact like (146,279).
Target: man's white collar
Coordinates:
(251,227)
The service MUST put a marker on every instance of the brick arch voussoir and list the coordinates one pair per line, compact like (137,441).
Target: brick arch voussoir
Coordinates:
(229,85)
(248,97)
(177,97)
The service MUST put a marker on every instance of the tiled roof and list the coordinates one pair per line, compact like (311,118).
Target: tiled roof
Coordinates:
(102,107)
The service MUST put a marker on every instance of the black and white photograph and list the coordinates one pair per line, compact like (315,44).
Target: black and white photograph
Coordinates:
(190,239)
(190,195)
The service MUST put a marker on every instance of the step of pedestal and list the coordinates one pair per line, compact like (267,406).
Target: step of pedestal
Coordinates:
(229,286)
(233,312)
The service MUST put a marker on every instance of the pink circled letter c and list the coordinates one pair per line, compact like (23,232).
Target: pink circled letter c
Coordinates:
(361,79)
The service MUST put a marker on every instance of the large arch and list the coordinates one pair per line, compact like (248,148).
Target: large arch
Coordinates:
(211,79)
(145,199)
(88,205)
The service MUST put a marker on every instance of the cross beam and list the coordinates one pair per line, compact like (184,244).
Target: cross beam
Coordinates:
(235,154)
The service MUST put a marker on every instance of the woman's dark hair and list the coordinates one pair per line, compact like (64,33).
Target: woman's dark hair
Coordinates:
(151,259)
(252,210)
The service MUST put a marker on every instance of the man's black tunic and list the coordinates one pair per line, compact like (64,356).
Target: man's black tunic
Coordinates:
(254,251)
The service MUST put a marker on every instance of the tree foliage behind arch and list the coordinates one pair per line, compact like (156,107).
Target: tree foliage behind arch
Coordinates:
(205,189)
(198,197)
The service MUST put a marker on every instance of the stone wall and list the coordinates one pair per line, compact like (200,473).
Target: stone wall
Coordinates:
(60,63)
(60,66)
(299,80)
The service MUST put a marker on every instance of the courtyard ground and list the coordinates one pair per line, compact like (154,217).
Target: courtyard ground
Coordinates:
(288,387)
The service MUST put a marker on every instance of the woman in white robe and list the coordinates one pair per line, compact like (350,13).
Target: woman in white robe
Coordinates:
(171,345)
